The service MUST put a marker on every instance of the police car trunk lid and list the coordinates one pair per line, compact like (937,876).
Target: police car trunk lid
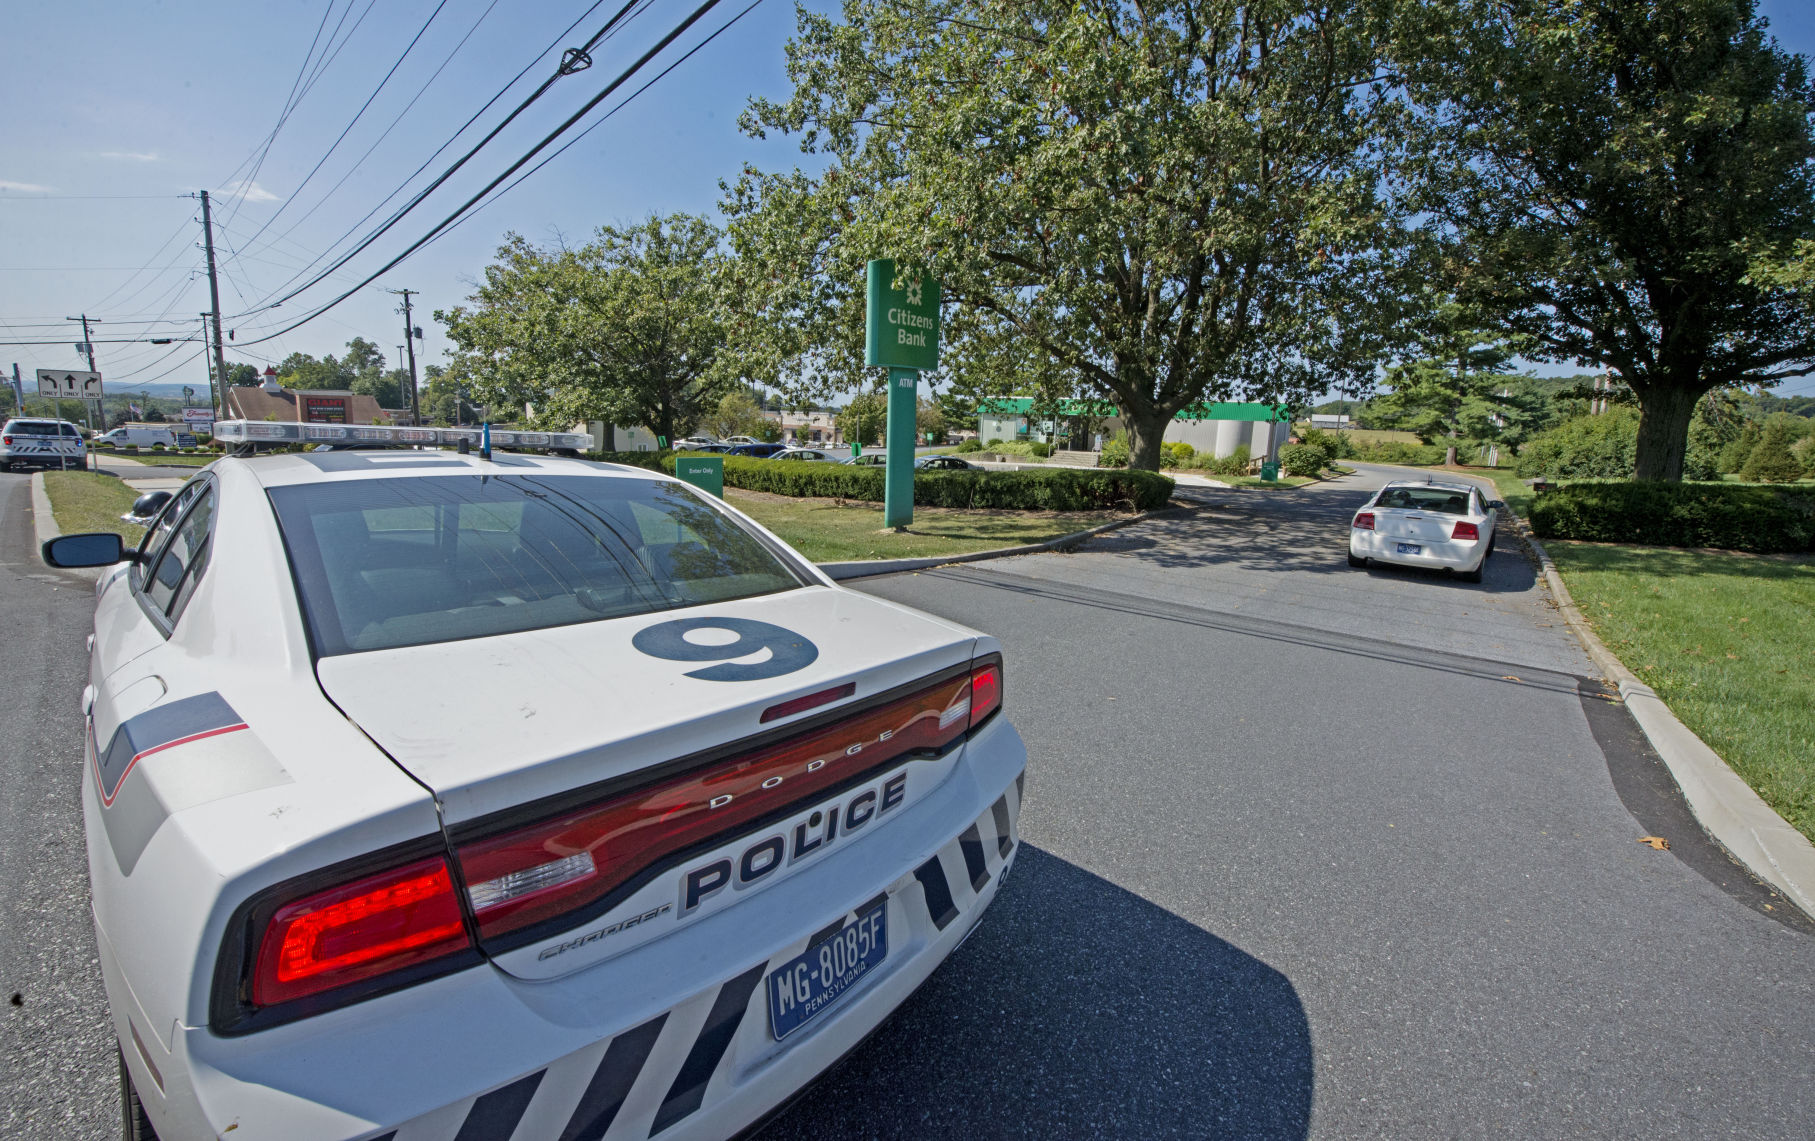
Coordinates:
(493,723)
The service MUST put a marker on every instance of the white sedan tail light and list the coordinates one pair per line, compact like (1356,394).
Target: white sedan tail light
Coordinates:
(1364,521)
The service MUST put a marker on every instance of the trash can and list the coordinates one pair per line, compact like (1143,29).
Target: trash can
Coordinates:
(1269,470)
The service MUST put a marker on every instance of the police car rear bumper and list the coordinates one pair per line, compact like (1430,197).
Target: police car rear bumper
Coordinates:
(634,1046)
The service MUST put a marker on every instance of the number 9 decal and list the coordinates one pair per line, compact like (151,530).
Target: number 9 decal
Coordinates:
(788,651)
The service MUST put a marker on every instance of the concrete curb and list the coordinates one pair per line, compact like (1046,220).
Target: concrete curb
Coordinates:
(44,526)
(1737,817)
(867,568)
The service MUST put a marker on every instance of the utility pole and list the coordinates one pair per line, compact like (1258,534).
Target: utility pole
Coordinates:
(216,406)
(214,291)
(88,347)
(409,342)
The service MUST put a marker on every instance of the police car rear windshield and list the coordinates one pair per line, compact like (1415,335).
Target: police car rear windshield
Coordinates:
(39,428)
(381,563)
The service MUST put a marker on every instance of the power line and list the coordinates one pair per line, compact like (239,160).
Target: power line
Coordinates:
(88,197)
(290,99)
(351,123)
(622,78)
(570,63)
(407,107)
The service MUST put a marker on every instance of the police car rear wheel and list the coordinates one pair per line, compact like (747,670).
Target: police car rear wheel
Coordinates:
(134,1125)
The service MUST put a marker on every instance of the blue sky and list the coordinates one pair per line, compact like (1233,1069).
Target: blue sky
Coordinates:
(112,110)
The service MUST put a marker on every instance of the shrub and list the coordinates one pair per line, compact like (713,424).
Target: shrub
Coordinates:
(1055,489)
(971,445)
(995,443)
(1168,457)
(1181,449)
(1115,453)
(1334,444)
(633,459)
(1729,516)
(1771,461)
(1039,450)
(1586,447)
(1398,452)
(1302,459)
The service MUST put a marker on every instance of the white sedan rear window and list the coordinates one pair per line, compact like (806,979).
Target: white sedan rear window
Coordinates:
(403,562)
(1441,500)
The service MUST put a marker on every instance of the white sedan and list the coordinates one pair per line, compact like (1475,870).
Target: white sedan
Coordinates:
(437,796)
(1438,526)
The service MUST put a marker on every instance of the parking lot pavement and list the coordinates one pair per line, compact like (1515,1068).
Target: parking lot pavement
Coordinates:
(1265,788)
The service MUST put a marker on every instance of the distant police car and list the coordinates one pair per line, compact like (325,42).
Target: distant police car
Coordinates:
(30,442)
(432,795)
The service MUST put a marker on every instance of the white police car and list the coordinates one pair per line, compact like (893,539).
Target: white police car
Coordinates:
(433,796)
(39,442)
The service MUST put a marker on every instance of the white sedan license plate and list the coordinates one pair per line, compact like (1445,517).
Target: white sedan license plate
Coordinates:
(1410,549)
(813,980)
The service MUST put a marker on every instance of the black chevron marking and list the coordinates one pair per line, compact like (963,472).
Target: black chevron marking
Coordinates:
(971,844)
(611,1082)
(1004,845)
(689,1088)
(938,892)
(495,1115)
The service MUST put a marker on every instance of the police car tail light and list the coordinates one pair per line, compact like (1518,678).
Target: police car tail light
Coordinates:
(1465,531)
(986,690)
(528,881)
(357,931)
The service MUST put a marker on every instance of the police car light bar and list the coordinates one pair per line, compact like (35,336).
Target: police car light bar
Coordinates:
(279,432)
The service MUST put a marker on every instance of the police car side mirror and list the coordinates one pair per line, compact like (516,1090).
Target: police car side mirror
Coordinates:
(149,504)
(95,549)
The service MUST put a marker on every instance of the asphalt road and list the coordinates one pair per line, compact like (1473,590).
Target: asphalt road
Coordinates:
(1320,852)
(1308,851)
(57,1062)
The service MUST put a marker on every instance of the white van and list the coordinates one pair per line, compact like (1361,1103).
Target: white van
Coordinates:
(138,435)
(30,442)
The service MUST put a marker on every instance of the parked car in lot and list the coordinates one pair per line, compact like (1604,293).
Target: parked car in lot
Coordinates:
(867,459)
(735,440)
(718,449)
(944,463)
(29,442)
(1438,526)
(811,455)
(757,451)
(694,443)
(439,796)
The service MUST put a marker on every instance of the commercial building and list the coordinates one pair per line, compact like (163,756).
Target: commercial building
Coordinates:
(1083,425)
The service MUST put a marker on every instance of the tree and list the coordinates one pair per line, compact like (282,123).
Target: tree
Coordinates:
(929,421)
(388,388)
(632,328)
(300,370)
(1173,200)
(1456,389)
(1771,461)
(738,414)
(243,374)
(862,420)
(1612,172)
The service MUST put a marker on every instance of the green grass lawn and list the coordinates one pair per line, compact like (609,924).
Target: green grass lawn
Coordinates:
(1727,640)
(826,530)
(90,501)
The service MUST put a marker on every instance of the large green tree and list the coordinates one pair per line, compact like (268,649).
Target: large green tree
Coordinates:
(1456,387)
(1173,200)
(631,328)
(1612,174)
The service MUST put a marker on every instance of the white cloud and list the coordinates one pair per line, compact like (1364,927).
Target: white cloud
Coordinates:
(134,156)
(250,191)
(25,187)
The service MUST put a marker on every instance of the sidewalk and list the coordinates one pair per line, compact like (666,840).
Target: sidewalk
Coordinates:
(125,469)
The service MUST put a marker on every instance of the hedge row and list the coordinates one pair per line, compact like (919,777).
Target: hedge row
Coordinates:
(1732,517)
(652,460)
(1057,489)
